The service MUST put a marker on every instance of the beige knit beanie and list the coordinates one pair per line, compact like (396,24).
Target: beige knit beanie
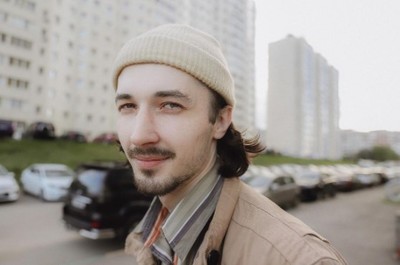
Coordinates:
(184,48)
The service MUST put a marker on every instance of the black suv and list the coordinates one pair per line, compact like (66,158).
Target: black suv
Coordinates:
(102,201)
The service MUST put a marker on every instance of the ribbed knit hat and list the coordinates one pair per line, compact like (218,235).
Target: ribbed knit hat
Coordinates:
(183,47)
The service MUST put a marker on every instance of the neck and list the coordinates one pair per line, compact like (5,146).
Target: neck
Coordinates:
(170,200)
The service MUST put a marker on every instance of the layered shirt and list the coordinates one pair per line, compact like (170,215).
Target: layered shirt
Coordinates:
(175,236)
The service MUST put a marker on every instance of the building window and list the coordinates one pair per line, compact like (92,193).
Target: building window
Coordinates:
(3,37)
(17,83)
(21,43)
(19,62)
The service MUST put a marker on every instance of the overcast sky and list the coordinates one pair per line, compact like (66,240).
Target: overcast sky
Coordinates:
(360,38)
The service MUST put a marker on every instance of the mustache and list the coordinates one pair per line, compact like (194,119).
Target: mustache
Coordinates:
(136,151)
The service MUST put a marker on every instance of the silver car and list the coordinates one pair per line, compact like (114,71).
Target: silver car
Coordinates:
(9,188)
(280,188)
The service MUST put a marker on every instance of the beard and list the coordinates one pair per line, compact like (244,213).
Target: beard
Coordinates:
(151,185)
(159,182)
(147,182)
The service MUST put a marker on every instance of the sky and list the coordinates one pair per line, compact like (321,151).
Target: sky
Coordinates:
(360,38)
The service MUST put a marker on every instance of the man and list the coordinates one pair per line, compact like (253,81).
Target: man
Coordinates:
(175,97)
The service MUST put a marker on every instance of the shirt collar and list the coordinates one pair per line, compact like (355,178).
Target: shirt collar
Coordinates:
(192,213)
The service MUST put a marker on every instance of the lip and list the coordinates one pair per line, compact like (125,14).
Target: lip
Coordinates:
(149,162)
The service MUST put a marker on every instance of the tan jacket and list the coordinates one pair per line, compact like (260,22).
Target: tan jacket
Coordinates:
(247,228)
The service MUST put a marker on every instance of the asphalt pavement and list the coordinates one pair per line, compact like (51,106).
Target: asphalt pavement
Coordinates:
(360,224)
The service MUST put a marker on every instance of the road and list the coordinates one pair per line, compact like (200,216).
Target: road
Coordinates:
(360,224)
(32,233)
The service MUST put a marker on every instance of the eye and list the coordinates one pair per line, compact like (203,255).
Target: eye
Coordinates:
(172,106)
(126,107)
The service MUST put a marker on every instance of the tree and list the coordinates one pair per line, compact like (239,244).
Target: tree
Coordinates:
(378,153)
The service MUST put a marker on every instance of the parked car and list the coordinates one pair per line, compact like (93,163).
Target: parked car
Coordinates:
(6,128)
(315,185)
(40,130)
(281,189)
(50,182)
(9,188)
(106,138)
(74,136)
(367,179)
(345,180)
(102,201)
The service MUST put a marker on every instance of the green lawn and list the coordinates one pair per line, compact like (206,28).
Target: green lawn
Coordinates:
(268,160)
(17,155)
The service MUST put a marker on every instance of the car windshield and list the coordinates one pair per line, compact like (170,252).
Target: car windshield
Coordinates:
(92,180)
(54,173)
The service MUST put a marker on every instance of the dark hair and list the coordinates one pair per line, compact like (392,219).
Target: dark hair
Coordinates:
(234,151)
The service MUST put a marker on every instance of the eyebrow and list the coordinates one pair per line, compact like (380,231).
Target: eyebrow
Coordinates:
(172,93)
(160,94)
(122,97)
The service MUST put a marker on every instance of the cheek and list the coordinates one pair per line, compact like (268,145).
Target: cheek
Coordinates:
(123,131)
(189,138)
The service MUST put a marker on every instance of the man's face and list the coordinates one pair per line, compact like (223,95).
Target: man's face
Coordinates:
(163,126)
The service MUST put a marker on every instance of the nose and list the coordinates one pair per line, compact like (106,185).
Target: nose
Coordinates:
(144,130)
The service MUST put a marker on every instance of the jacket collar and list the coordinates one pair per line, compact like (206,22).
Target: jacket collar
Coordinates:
(211,247)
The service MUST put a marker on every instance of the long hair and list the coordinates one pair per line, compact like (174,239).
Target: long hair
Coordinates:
(234,151)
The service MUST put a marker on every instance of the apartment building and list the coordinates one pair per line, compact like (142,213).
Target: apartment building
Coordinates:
(56,55)
(303,101)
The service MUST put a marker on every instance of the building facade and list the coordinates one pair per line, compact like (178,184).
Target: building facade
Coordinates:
(353,141)
(56,55)
(303,101)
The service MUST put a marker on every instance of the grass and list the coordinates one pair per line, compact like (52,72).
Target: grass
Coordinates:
(17,155)
(268,160)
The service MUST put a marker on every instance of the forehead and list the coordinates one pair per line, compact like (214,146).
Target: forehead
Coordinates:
(142,78)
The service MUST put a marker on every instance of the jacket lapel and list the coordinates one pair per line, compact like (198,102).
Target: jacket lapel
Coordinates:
(134,246)
(210,250)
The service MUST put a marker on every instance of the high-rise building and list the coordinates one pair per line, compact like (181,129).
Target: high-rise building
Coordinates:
(303,101)
(56,55)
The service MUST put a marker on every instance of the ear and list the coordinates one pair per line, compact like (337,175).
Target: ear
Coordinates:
(223,121)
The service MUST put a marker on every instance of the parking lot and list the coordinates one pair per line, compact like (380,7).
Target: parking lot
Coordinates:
(360,224)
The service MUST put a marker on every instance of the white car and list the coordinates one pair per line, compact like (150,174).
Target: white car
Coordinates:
(48,181)
(9,188)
